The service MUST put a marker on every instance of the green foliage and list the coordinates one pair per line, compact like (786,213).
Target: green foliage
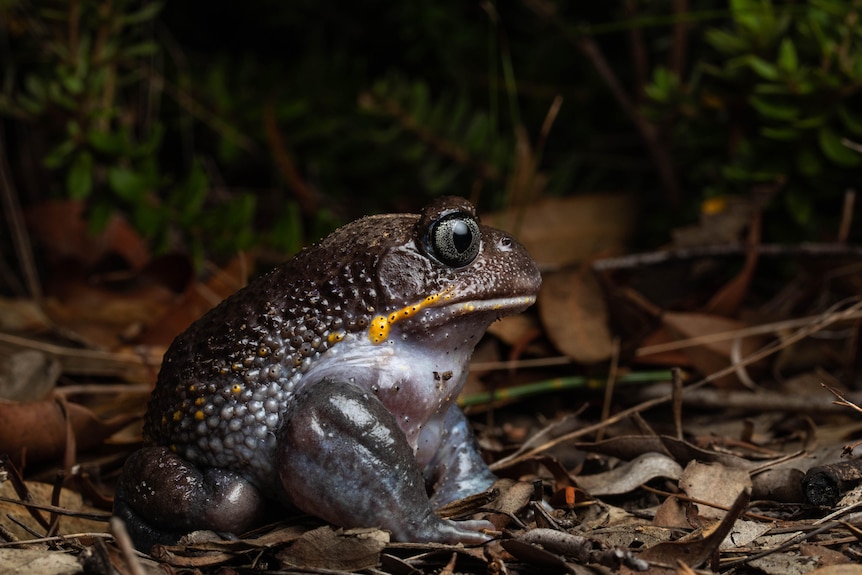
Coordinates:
(774,101)
(88,63)
(444,137)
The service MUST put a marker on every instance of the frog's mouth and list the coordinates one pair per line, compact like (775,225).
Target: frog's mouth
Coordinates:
(447,309)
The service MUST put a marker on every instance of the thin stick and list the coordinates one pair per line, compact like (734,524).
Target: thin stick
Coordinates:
(753,358)
(846,216)
(765,328)
(676,396)
(20,238)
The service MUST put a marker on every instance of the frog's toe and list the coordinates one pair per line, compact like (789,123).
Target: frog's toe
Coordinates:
(469,532)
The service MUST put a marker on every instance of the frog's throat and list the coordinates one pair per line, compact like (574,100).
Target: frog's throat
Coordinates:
(378,332)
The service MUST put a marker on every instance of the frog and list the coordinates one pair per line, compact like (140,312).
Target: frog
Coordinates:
(329,387)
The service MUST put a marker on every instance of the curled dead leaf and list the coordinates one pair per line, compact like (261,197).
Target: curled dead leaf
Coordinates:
(573,310)
(39,427)
(560,231)
(630,475)
(346,550)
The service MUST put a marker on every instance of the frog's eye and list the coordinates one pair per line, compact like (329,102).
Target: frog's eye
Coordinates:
(454,239)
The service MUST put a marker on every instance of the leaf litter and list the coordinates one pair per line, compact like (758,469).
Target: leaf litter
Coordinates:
(704,472)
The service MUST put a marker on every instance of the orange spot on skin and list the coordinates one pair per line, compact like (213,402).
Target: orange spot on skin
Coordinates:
(380,325)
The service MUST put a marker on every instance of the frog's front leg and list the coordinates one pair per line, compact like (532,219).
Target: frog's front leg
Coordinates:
(456,468)
(343,458)
(162,497)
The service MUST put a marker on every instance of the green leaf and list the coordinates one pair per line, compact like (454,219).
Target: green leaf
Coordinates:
(799,205)
(190,197)
(35,86)
(128,185)
(286,235)
(60,154)
(663,85)
(147,218)
(105,142)
(787,59)
(148,12)
(773,110)
(98,216)
(753,15)
(762,68)
(420,101)
(780,134)
(142,49)
(838,153)
(810,123)
(725,42)
(79,179)
(851,121)
(73,84)
(808,162)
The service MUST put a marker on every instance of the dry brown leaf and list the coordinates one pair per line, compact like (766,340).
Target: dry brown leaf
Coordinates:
(41,494)
(61,230)
(673,513)
(843,569)
(695,553)
(105,308)
(197,299)
(631,475)
(38,429)
(561,231)
(714,483)
(514,329)
(573,311)
(825,556)
(21,561)
(22,316)
(514,496)
(727,300)
(710,357)
(327,548)
(27,375)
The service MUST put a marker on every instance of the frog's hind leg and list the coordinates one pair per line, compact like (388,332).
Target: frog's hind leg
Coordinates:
(162,497)
(343,458)
(457,469)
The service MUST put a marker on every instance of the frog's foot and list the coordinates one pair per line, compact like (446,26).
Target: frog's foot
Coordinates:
(162,497)
(343,458)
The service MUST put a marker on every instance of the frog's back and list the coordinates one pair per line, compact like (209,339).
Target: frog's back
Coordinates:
(225,381)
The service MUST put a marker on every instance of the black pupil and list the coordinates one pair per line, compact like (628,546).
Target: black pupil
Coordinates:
(461,237)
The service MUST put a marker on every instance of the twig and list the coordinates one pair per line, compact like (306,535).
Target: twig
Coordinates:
(620,416)
(676,401)
(442,146)
(56,539)
(680,35)
(124,542)
(846,216)
(16,226)
(610,385)
(766,328)
(638,49)
(85,361)
(732,249)
(302,192)
(591,51)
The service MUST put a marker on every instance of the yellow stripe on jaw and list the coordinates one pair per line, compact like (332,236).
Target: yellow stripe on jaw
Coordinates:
(381,324)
